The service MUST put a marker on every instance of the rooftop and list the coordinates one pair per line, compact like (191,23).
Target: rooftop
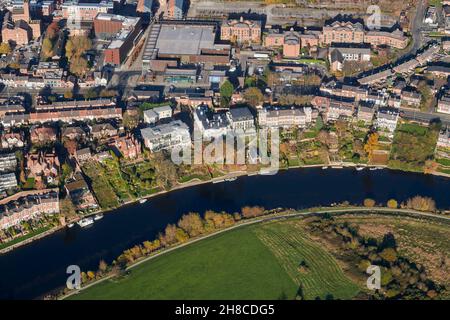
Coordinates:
(185,39)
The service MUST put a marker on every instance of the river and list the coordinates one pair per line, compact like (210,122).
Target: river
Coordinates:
(35,269)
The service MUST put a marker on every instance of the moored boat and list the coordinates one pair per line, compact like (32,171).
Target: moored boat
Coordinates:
(86,222)
(143,201)
(98,216)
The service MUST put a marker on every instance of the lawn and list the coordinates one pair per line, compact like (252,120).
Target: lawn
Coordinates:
(101,186)
(254,262)
(413,145)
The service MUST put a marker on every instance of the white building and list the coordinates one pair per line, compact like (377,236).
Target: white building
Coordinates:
(431,17)
(387,119)
(444,104)
(8,162)
(242,119)
(7,181)
(284,117)
(156,114)
(209,123)
(166,136)
(444,138)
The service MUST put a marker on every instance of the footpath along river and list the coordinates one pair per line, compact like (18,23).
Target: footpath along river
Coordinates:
(39,267)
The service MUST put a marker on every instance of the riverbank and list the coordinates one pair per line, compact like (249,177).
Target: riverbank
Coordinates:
(192,183)
(131,225)
(286,214)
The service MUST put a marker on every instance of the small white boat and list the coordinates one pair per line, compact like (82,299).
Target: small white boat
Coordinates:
(98,216)
(218,181)
(231,179)
(359,168)
(324,168)
(373,168)
(70,225)
(143,201)
(337,167)
(86,222)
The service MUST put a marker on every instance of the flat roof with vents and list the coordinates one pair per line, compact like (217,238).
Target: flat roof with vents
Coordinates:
(179,39)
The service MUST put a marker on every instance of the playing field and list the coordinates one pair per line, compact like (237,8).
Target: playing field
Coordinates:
(254,262)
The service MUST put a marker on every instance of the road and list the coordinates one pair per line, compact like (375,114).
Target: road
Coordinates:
(416,115)
(416,28)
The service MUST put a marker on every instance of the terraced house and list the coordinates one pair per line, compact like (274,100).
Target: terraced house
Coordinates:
(24,206)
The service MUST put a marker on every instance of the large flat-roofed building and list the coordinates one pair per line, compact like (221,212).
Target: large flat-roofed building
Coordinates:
(166,136)
(188,41)
(185,39)
(123,31)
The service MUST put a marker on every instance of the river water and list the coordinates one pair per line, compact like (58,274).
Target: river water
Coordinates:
(35,269)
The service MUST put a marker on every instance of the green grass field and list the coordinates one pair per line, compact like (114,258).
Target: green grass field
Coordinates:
(254,262)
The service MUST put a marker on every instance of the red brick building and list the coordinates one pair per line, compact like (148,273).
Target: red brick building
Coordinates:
(123,33)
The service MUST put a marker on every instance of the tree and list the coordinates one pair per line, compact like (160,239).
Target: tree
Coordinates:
(421,204)
(5,48)
(369,202)
(102,266)
(76,47)
(68,95)
(181,236)
(392,203)
(226,91)
(371,144)
(165,171)
(130,121)
(250,212)
(192,223)
(214,220)
(47,48)
(78,66)
(389,254)
(253,96)
(91,275)
(52,30)
(91,94)
(170,235)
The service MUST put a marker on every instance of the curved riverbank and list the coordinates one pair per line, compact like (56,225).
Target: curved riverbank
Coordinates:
(272,217)
(134,223)
(192,183)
